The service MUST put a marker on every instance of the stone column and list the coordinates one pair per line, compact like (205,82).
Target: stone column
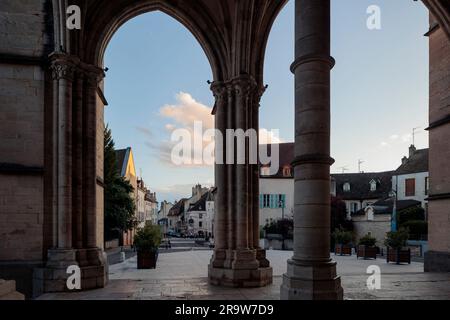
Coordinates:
(78,162)
(311,273)
(93,76)
(235,260)
(63,68)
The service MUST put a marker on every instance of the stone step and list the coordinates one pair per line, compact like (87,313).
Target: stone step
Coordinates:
(8,291)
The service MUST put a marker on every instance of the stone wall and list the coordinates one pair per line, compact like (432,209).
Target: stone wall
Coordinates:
(378,227)
(25,39)
(438,259)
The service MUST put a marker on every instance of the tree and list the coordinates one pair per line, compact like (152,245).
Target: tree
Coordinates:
(119,205)
(338,219)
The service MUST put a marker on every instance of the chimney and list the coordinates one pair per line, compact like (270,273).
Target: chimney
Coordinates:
(412,150)
(404,160)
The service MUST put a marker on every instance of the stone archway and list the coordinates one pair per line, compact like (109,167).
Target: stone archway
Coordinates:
(64,178)
(233,36)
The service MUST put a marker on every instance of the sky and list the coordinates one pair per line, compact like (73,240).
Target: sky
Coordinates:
(158,73)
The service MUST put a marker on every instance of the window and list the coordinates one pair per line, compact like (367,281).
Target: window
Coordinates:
(346,187)
(373,185)
(200,216)
(272,201)
(354,207)
(287,171)
(427,185)
(410,187)
(200,224)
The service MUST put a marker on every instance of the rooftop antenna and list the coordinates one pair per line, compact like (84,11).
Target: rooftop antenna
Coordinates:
(344,169)
(414,135)
(360,162)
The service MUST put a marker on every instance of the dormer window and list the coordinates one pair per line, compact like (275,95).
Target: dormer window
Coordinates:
(287,171)
(346,187)
(373,185)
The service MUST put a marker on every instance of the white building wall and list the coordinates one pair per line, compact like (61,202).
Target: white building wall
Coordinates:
(399,184)
(140,207)
(276,186)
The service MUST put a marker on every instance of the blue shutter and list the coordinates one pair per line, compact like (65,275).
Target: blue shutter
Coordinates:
(261,201)
(272,201)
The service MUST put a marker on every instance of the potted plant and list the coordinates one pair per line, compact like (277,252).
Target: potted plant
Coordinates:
(147,242)
(366,247)
(343,239)
(395,243)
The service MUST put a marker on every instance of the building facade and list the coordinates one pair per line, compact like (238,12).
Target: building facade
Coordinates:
(53,107)
(127,169)
(411,180)
(200,217)
(276,191)
(359,190)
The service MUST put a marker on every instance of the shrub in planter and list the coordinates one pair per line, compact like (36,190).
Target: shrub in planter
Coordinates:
(147,242)
(343,239)
(366,247)
(395,243)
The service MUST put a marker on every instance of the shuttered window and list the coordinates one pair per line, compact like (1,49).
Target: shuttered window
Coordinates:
(272,201)
(410,187)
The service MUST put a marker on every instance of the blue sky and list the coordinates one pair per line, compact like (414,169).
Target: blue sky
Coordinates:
(158,76)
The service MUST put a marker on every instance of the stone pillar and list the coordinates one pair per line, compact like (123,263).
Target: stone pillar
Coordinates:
(75,179)
(311,273)
(78,162)
(235,261)
(63,69)
(94,254)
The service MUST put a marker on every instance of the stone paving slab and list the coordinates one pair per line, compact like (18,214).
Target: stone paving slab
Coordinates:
(183,276)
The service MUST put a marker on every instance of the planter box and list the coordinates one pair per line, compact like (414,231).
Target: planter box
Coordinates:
(275,244)
(343,250)
(366,252)
(398,255)
(147,260)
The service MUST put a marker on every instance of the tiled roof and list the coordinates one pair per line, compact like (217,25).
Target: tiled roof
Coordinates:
(417,162)
(177,209)
(121,160)
(286,157)
(386,206)
(360,185)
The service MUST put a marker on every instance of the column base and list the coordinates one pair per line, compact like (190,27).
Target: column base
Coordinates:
(53,277)
(437,261)
(308,280)
(239,269)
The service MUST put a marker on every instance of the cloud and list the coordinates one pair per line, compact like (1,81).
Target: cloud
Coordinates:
(186,111)
(144,131)
(407,137)
(184,115)
(269,137)
(394,137)
(384,144)
(177,192)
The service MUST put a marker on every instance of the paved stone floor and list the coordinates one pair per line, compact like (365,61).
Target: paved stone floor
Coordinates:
(183,275)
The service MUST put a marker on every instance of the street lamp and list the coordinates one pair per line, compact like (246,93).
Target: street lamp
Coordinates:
(281,205)
(393,194)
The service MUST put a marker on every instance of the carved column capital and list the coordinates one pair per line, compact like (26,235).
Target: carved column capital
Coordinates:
(93,74)
(63,66)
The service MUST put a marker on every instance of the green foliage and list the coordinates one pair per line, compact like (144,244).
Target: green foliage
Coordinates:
(367,240)
(285,227)
(149,238)
(397,239)
(342,237)
(417,229)
(119,205)
(411,214)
